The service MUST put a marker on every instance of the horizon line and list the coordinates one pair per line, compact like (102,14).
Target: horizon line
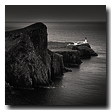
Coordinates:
(47,21)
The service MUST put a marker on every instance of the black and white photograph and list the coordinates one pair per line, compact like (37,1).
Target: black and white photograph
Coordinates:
(55,55)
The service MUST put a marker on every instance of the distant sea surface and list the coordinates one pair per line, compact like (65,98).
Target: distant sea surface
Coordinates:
(86,85)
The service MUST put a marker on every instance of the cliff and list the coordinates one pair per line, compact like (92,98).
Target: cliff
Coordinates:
(31,62)
(57,65)
(72,55)
(71,58)
(28,63)
(85,50)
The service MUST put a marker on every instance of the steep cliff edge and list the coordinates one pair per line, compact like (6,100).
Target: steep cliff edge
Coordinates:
(28,62)
(85,50)
(71,58)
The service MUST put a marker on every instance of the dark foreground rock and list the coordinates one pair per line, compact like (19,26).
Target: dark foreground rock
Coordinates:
(8,89)
(28,63)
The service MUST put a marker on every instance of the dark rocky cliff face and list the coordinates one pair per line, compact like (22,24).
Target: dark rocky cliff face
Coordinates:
(38,36)
(71,58)
(28,63)
(57,65)
(85,51)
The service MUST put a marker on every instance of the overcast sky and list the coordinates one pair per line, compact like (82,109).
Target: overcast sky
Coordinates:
(54,13)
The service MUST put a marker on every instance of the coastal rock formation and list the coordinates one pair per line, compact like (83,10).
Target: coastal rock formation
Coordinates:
(70,58)
(85,50)
(57,65)
(86,44)
(28,62)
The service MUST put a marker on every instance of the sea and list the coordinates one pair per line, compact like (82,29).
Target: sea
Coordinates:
(84,86)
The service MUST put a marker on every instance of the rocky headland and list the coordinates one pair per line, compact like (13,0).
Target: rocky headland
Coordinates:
(32,61)
(72,55)
(28,62)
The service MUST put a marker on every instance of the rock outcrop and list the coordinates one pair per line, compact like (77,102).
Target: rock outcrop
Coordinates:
(85,50)
(71,58)
(57,64)
(72,55)
(28,63)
